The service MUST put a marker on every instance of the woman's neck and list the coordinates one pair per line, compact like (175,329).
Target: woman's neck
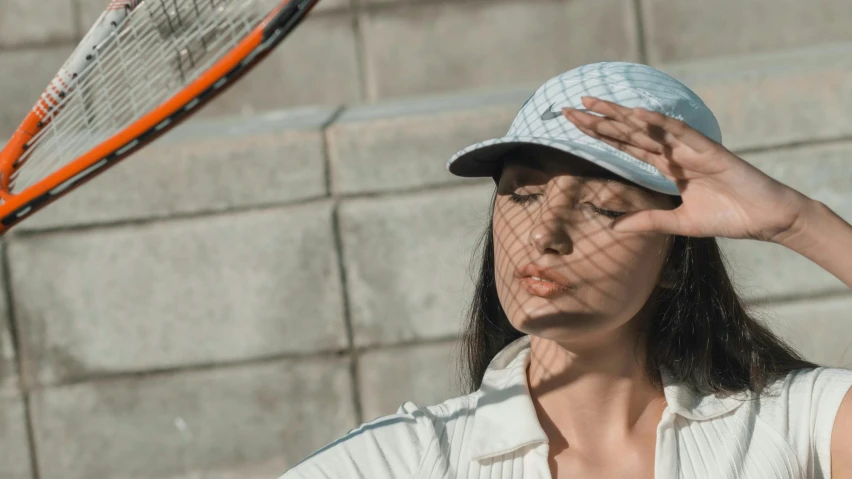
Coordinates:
(593,397)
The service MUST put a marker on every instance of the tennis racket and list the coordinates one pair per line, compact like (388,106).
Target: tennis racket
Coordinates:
(144,66)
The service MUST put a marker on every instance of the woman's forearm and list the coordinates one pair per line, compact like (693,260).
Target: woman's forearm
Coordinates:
(825,238)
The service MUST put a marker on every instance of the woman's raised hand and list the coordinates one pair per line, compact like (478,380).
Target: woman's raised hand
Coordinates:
(722,194)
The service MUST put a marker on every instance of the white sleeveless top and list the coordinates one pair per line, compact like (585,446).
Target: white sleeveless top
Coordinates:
(494,433)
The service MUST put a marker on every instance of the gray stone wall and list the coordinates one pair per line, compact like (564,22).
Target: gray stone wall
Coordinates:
(297,261)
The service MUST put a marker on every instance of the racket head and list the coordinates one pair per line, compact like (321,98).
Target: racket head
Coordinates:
(27,184)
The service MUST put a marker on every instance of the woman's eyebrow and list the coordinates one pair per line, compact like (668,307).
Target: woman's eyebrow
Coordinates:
(532,165)
(527,162)
(609,177)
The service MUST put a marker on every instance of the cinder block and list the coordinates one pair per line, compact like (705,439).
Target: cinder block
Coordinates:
(248,422)
(23,24)
(162,295)
(428,48)
(316,65)
(24,74)
(688,29)
(766,270)
(14,443)
(823,172)
(776,99)
(407,260)
(819,329)
(204,166)
(426,374)
(406,144)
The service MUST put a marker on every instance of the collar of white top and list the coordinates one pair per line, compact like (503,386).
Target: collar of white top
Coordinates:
(505,418)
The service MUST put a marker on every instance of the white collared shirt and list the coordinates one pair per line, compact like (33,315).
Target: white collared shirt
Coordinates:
(494,432)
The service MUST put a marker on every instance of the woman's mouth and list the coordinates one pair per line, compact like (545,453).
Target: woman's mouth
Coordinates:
(542,281)
(542,287)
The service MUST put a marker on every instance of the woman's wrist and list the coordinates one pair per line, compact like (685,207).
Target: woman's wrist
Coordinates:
(799,235)
(822,236)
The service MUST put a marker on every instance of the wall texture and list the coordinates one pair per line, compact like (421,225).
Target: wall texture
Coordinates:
(267,277)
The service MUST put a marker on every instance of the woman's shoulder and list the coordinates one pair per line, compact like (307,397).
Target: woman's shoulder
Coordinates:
(785,427)
(429,423)
(801,391)
(801,407)
(443,413)
(806,385)
(389,446)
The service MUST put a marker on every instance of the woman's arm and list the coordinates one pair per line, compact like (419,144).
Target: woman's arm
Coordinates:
(826,239)
(823,237)
(388,447)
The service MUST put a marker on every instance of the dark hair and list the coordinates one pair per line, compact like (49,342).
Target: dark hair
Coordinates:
(700,330)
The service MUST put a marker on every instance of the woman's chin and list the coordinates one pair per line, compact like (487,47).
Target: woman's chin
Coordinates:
(537,307)
(539,321)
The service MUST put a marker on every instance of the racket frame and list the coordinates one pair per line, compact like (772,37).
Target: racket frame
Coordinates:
(209,84)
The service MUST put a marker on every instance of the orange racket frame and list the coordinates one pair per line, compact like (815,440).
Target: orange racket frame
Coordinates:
(216,79)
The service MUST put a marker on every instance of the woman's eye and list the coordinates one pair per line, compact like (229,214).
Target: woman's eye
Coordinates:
(522,199)
(607,213)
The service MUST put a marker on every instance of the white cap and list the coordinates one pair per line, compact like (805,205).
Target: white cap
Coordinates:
(541,121)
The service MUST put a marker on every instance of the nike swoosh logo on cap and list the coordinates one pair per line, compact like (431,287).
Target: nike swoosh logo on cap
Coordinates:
(550,114)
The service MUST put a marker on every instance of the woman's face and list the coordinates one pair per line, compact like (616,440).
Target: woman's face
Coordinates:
(551,221)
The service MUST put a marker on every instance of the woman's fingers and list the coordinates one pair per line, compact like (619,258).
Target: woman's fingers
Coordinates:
(628,116)
(654,159)
(677,128)
(604,107)
(614,129)
(673,147)
(662,128)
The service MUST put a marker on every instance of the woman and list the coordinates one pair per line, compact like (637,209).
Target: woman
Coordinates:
(605,337)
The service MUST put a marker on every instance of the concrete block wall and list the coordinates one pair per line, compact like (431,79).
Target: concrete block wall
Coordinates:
(287,266)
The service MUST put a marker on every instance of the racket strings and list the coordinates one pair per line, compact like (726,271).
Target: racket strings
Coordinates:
(151,55)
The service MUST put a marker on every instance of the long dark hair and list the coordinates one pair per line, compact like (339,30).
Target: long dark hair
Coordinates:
(701,331)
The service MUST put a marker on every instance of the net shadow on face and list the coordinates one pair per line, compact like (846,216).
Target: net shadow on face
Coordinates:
(561,272)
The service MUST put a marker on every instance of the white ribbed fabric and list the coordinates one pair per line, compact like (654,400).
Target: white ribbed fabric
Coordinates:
(494,433)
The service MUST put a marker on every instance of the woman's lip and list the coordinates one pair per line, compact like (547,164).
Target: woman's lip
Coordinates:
(542,288)
(541,272)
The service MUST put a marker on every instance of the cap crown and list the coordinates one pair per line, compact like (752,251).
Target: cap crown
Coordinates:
(628,84)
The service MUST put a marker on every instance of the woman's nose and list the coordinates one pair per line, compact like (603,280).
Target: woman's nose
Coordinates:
(549,233)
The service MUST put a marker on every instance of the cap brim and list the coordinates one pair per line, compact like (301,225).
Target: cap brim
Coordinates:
(484,159)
